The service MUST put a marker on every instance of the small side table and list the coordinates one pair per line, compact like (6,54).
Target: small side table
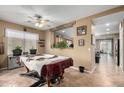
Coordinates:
(13,62)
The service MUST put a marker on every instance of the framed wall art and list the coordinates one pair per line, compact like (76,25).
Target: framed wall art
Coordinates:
(82,30)
(81,42)
(41,42)
(92,39)
(1,48)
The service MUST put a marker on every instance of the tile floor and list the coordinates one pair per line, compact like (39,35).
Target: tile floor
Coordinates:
(106,74)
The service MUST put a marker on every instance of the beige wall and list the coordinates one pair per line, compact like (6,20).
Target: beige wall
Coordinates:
(3,26)
(80,54)
(93,47)
(84,56)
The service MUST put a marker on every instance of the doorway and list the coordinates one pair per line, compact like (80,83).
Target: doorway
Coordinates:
(106,29)
(118,52)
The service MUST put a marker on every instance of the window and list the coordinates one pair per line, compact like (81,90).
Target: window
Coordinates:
(106,46)
(26,40)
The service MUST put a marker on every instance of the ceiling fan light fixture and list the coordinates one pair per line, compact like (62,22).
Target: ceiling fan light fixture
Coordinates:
(38,21)
(37,24)
(42,21)
(40,25)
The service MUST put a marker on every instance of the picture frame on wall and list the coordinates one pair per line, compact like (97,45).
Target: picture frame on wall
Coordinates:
(41,42)
(81,30)
(92,39)
(81,42)
(1,48)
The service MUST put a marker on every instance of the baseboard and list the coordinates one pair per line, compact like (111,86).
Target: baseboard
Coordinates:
(76,68)
(121,68)
(88,71)
(3,68)
(93,69)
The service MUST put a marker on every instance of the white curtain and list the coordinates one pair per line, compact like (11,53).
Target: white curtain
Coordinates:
(25,40)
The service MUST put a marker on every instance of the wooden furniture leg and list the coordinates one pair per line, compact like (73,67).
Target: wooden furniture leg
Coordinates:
(48,83)
(61,76)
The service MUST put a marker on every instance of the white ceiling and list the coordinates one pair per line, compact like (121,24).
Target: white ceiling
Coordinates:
(57,14)
(113,19)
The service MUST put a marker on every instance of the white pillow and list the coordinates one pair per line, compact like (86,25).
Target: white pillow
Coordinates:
(48,56)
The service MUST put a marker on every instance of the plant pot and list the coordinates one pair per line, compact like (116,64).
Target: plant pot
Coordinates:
(33,51)
(17,52)
(81,69)
(97,59)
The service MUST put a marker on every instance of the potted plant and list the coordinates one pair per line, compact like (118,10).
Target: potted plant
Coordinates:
(17,51)
(61,45)
(33,51)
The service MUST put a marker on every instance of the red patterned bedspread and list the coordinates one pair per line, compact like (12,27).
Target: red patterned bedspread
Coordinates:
(58,67)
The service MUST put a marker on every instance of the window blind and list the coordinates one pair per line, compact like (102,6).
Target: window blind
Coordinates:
(26,40)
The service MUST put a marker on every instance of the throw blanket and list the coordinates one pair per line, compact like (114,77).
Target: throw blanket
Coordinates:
(37,62)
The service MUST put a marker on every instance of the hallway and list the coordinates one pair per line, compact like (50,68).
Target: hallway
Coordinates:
(109,72)
(108,62)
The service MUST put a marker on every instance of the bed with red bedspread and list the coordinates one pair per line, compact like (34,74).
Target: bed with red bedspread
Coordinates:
(47,66)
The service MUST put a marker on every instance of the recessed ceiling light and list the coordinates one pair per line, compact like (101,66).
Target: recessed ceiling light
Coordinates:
(63,31)
(107,24)
(108,29)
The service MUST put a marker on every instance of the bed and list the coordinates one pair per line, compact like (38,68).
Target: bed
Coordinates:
(47,65)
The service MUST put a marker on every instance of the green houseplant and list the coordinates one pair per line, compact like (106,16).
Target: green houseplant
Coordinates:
(33,51)
(17,51)
(61,45)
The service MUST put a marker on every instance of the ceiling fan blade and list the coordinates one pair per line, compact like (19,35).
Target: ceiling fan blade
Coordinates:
(43,21)
(47,20)
(48,25)
(29,21)
(38,16)
(31,18)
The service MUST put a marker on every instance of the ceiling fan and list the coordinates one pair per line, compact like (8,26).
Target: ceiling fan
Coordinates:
(38,20)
